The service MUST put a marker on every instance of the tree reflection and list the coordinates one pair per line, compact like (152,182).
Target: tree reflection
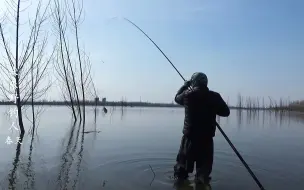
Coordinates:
(29,172)
(269,118)
(67,159)
(12,175)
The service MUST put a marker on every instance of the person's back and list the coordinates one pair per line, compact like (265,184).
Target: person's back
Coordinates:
(201,107)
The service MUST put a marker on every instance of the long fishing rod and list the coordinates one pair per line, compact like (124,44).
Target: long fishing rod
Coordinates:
(218,126)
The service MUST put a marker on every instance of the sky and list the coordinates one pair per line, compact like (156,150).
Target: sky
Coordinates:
(252,47)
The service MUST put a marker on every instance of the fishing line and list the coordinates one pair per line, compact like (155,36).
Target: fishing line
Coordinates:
(218,126)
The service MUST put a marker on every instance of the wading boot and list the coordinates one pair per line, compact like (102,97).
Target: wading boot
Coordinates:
(180,173)
(200,179)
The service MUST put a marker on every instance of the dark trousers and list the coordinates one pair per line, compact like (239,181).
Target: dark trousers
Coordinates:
(195,150)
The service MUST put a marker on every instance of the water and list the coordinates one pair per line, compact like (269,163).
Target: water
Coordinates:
(120,156)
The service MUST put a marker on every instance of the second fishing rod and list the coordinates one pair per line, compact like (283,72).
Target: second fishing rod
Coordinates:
(218,126)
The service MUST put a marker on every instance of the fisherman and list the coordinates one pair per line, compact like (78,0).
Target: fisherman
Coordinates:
(201,107)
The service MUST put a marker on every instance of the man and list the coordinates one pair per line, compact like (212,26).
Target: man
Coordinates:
(201,107)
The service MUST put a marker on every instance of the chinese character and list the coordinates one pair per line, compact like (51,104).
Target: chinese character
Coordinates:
(8,140)
(18,139)
(13,126)
(13,112)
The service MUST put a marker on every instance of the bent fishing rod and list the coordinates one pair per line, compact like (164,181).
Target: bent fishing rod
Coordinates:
(218,126)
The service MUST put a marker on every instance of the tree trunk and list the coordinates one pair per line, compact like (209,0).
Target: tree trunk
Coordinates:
(32,92)
(81,71)
(17,72)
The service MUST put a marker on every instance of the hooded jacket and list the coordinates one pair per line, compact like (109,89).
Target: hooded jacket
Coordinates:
(201,107)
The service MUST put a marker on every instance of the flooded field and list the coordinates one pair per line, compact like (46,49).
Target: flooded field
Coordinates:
(61,156)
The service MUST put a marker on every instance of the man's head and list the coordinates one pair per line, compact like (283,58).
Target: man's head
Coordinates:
(199,79)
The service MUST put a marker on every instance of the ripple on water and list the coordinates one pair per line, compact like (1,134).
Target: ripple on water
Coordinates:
(136,172)
(139,168)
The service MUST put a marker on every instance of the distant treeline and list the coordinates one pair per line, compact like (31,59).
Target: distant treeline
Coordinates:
(243,103)
(94,103)
(250,103)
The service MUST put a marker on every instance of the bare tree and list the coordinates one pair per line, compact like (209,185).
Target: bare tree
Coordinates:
(63,68)
(72,67)
(75,12)
(29,61)
(240,102)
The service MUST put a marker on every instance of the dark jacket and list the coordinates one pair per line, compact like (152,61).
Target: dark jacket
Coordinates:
(201,107)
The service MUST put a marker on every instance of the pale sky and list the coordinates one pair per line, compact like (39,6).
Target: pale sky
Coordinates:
(252,47)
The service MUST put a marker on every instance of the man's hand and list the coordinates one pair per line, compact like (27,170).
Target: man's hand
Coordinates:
(179,98)
(187,83)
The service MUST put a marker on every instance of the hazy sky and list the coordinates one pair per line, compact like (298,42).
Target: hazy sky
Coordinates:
(253,47)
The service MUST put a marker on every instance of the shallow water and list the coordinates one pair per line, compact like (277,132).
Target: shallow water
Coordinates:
(132,140)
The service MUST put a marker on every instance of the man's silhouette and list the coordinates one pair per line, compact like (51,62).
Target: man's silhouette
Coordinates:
(201,107)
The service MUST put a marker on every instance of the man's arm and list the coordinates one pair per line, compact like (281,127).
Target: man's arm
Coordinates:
(181,93)
(221,107)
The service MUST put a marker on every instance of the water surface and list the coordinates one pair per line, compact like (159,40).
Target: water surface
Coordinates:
(60,156)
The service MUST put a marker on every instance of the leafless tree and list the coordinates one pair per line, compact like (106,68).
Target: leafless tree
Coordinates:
(239,102)
(75,12)
(29,62)
(72,67)
(63,68)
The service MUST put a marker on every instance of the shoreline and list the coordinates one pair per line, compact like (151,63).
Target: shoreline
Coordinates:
(145,104)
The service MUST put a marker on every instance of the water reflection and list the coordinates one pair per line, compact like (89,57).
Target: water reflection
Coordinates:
(96,111)
(187,185)
(239,118)
(12,175)
(111,112)
(263,120)
(269,118)
(25,168)
(122,113)
(80,155)
(67,159)
(248,117)
(29,172)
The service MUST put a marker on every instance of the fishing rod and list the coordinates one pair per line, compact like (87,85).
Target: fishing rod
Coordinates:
(218,126)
